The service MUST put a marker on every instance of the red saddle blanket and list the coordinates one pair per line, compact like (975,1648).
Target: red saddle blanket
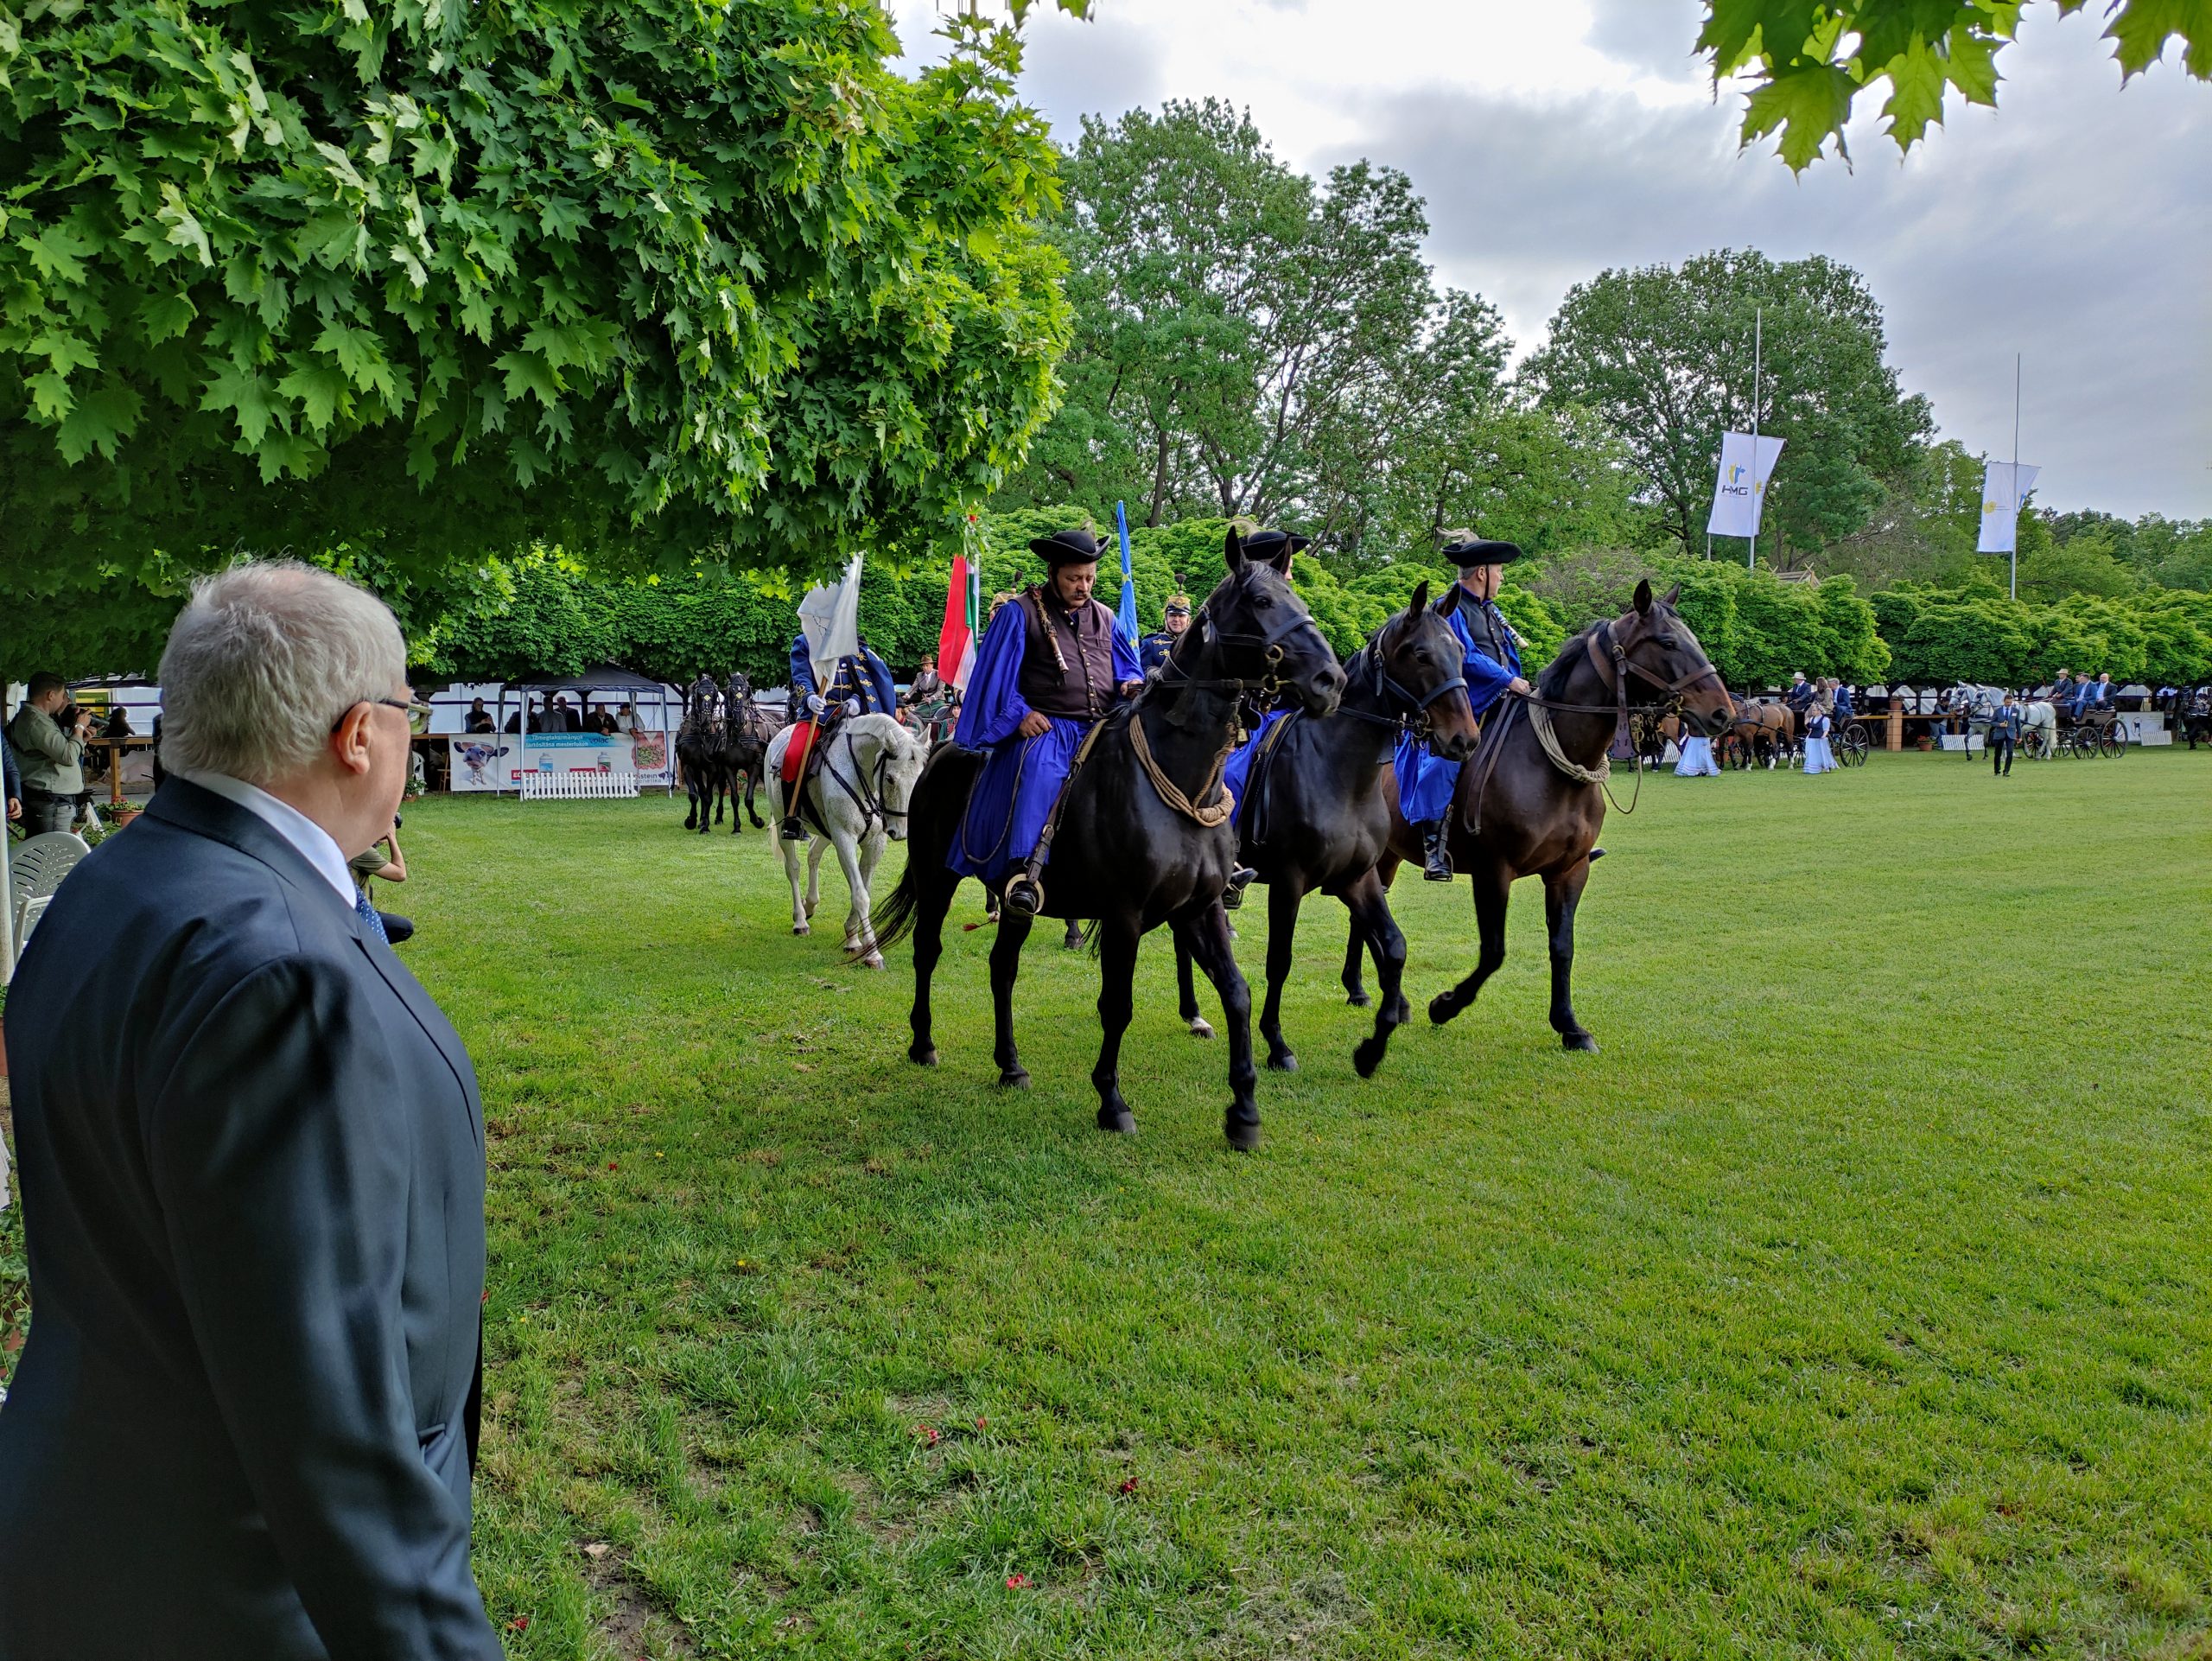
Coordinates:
(796,752)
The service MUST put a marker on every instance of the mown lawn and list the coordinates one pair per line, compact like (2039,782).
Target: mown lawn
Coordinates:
(1853,1301)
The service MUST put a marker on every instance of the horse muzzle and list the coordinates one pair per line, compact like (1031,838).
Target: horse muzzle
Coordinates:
(1321,692)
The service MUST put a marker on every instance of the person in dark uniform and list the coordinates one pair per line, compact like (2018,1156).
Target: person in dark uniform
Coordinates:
(1492,667)
(1051,664)
(2005,729)
(1153,650)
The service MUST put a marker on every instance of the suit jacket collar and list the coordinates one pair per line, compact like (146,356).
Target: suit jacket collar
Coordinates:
(192,807)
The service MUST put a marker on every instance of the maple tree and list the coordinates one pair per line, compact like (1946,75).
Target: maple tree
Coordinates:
(1812,58)
(436,280)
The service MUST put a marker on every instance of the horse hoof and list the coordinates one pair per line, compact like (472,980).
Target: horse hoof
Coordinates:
(1358,1000)
(1117,1120)
(801,928)
(1243,1138)
(1014,1078)
(874,960)
(1582,1042)
(922,1055)
(1441,1009)
(1367,1057)
(1283,1061)
(1201,1027)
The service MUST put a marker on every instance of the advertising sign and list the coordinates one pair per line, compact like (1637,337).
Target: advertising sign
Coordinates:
(489,762)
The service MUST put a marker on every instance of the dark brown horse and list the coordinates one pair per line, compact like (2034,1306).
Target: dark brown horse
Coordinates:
(1520,811)
(1122,854)
(1317,818)
(1758,734)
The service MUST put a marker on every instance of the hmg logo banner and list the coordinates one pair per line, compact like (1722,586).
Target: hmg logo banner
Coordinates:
(1739,490)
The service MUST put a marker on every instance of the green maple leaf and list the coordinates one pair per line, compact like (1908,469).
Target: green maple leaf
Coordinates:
(323,392)
(360,355)
(1974,65)
(64,352)
(1807,106)
(527,372)
(164,316)
(99,419)
(57,252)
(1916,82)
(239,388)
(50,395)
(2140,31)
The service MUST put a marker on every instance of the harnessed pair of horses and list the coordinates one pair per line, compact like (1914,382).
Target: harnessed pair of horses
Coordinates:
(1129,859)
(718,747)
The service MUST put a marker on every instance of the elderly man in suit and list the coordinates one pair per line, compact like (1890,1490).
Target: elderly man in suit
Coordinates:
(252,1168)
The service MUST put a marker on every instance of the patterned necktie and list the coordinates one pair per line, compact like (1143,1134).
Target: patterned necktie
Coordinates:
(367,912)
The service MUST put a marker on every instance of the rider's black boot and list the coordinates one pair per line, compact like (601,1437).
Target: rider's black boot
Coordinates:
(1239,879)
(791,830)
(1436,865)
(1024,894)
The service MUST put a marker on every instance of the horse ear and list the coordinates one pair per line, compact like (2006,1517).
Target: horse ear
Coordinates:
(1232,551)
(1673,595)
(1643,597)
(1450,603)
(1419,604)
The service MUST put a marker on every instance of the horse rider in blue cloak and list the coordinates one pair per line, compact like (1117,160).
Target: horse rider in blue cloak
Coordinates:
(1050,666)
(860,685)
(1153,650)
(1492,650)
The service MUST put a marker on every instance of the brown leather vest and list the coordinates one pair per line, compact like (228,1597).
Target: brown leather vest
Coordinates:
(1067,661)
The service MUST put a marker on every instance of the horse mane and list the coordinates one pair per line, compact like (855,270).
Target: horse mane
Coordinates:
(1552,684)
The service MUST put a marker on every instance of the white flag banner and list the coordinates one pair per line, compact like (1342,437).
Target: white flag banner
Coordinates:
(830,617)
(1741,491)
(2004,487)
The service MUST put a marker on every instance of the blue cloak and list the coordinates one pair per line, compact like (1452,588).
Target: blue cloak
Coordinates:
(1021,777)
(866,677)
(1426,781)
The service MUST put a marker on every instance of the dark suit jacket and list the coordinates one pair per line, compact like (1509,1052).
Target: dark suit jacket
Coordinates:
(252,1167)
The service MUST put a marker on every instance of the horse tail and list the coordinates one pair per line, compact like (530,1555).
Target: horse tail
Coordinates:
(933,816)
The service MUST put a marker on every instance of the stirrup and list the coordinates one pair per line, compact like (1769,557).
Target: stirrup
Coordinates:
(791,830)
(1239,879)
(1025,895)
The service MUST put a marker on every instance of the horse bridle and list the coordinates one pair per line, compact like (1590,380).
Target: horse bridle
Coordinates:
(1262,693)
(868,796)
(1416,720)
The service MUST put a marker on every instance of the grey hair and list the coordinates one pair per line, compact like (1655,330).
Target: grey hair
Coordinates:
(262,662)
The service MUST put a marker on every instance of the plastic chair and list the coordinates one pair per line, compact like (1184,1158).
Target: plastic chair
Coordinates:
(35,868)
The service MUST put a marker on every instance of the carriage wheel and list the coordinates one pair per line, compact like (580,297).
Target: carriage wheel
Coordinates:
(2115,740)
(1854,746)
(2031,744)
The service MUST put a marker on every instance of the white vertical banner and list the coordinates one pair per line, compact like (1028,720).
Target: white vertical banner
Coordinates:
(830,619)
(2004,487)
(1740,492)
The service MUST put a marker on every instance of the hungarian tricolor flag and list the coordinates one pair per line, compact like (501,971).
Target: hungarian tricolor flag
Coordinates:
(964,623)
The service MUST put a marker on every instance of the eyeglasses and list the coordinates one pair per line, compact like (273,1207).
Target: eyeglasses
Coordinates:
(405,706)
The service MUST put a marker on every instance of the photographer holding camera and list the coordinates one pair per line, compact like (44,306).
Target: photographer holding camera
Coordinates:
(383,862)
(48,732)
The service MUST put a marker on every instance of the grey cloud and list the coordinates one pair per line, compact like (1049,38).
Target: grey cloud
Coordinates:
(2070,227)
(1657,36)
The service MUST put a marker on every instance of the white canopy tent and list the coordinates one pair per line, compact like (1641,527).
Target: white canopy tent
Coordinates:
(635,689)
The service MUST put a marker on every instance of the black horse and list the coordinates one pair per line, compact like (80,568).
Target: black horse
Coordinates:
(1122,854)
(1526,808)
(699,745)
(1317,819)
(747,729)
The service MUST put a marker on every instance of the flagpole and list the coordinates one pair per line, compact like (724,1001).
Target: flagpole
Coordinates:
(1758,497)
(2014,589)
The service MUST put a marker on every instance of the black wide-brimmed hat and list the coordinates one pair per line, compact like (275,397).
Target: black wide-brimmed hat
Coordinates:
(1066,548)
(1466,551)
(1271,544)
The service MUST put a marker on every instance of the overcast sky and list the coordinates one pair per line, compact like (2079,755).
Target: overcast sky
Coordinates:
(1552,140)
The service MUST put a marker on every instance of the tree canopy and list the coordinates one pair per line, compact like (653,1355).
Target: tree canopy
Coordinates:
(649,278)
(1666,355)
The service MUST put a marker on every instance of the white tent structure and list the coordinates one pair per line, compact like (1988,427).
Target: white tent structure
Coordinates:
(635,689)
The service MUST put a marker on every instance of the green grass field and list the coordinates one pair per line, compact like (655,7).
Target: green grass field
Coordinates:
(1855,1300)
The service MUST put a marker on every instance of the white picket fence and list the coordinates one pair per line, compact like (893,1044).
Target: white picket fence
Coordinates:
(592,786)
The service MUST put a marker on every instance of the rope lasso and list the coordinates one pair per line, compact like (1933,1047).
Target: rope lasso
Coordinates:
(1205,817)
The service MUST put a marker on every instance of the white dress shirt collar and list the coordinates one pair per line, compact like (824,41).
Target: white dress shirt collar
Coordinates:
(311,840)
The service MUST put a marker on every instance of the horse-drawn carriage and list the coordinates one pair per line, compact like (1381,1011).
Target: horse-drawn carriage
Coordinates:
(1768,733)
(2051,727)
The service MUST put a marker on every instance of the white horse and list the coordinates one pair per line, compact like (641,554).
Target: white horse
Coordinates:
(859,798)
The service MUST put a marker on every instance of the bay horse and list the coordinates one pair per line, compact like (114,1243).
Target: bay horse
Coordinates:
(1143,835)
(1760,732)
(1316,818)
(1526,808)
(699,753)
(746,729)
(856,799)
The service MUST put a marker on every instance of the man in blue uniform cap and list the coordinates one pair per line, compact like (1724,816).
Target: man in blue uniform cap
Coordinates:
(1153,650)
(1426,781)
(1050,665)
